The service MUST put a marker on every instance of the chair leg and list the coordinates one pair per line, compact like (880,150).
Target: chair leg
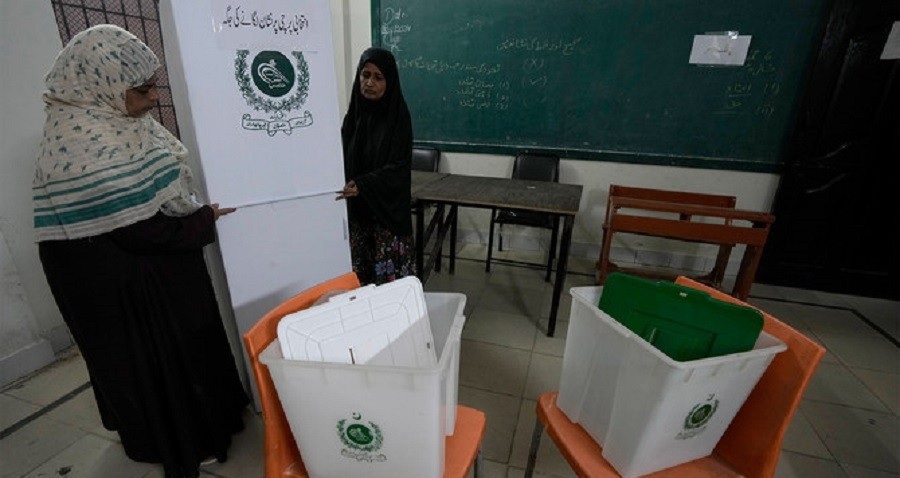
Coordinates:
(500,238)
(477,468)
(535,444)
(487,264)
(603,264)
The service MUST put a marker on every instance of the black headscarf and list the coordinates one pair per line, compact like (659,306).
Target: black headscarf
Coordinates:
(377,138)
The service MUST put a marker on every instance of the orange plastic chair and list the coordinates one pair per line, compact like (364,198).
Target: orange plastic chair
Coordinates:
(750,447)
(283,459)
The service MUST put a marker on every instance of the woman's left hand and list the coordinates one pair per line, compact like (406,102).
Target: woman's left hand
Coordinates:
(350,190)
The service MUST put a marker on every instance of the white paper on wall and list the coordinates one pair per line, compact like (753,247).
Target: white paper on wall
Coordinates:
(725,49)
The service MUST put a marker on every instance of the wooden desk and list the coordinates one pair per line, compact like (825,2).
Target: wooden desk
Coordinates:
(455,190)
(421,180)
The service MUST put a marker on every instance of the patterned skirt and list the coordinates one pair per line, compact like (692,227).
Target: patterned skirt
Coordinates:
(378,255)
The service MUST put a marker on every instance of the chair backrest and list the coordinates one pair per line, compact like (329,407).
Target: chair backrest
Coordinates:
(280,449)
(678,197)
(752,443)
(426,159)
(536,167)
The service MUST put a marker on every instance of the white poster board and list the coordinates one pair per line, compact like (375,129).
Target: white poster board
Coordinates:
(255,89)
(264,97)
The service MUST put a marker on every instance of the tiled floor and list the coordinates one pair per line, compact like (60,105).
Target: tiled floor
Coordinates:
(847,425)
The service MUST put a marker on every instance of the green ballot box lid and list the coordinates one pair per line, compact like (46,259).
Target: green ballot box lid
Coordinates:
(683,323)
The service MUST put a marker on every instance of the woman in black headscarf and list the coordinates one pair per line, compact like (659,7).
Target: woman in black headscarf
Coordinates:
(377,138)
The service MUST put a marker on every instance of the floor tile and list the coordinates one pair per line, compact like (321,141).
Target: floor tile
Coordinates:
(555,345)
(502,413)
(835,383)
(81,411)
(855,436)
(12,410)
(795,465)
(93,456)
(869,353)
(500,328)
(34,444)
(543,375)
(886,386)
(548,461)
(493,368)
(883,313)
(53,382)
(802,438)
(512,300)
(854,471)
(245,456)
(492,469)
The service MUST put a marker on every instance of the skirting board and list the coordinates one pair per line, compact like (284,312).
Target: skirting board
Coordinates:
(28,359)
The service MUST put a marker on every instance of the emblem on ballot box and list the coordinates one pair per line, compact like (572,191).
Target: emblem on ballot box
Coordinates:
(361,439)
(275,85)
(696,420)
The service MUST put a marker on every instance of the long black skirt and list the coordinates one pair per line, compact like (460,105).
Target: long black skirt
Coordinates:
(148,326)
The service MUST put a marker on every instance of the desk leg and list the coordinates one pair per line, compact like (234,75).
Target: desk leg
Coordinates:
(453,217)
(439,214)
(420,240)
(562,263)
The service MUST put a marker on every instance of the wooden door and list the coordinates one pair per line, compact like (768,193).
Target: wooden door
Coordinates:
(837,206)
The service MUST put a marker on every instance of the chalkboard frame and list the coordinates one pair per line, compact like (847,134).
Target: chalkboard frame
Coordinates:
(677,160)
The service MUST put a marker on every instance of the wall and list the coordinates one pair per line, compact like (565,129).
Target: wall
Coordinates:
(25,63)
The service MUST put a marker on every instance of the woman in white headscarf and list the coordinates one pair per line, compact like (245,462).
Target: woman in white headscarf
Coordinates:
(120,237)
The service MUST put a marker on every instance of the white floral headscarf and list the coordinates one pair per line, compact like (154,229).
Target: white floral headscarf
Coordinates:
(100,169)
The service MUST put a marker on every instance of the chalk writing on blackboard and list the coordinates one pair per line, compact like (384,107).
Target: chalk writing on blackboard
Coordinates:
(479,94)
(539,45)
(393,27)
(756,91)
(438,66)
(534,82)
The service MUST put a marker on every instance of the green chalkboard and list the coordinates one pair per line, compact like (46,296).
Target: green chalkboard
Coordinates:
(602,79)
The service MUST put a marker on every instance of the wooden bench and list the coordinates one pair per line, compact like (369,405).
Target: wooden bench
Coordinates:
(690,217)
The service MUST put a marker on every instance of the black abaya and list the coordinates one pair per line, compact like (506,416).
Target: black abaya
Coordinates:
(140,304)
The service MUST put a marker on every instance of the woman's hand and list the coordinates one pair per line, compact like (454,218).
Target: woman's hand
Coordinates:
(221,211)
(350,190)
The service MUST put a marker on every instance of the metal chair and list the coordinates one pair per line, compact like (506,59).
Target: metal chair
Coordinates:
(426,159)
(533,167)
(282,458)
(750,447)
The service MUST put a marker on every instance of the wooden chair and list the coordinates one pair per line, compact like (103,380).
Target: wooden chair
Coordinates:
(282,458)
(534,167)
(690,217)
(750,447)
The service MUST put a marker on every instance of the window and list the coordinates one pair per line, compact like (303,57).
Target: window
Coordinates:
(140,17)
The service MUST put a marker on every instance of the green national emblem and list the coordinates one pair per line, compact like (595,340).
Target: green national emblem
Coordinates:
(700,415)
(272,73)
(274,84)
(697,418)
(361,439)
